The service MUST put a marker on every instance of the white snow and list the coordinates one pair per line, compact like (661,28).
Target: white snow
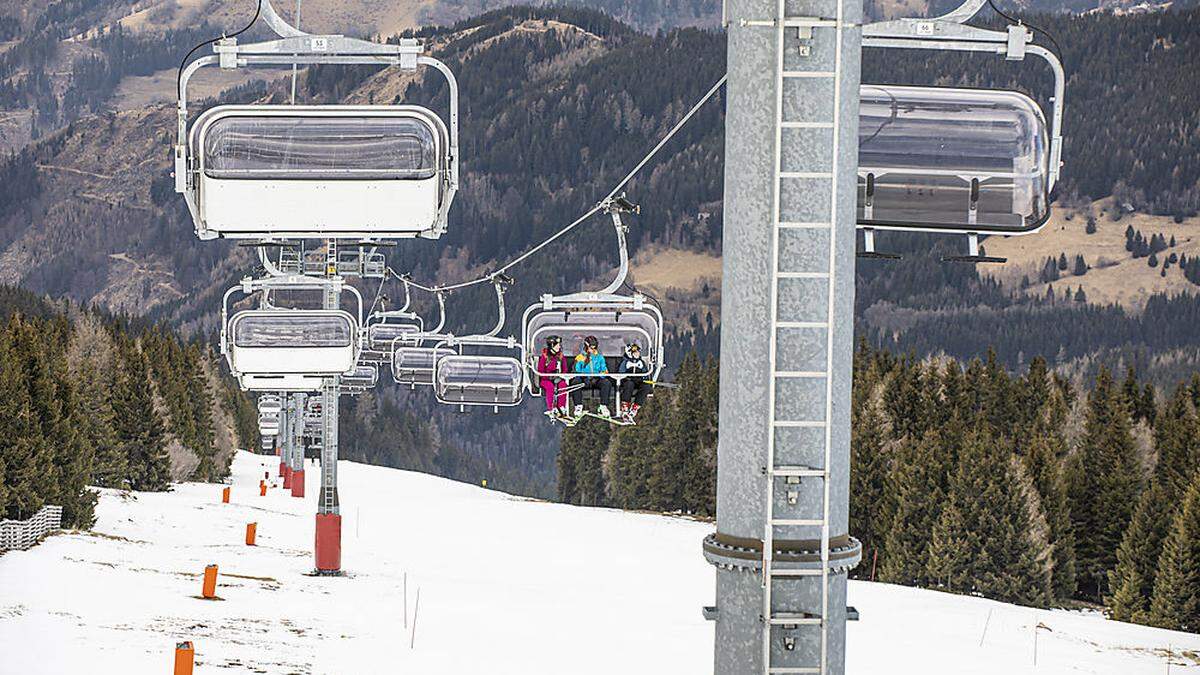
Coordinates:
(507,585)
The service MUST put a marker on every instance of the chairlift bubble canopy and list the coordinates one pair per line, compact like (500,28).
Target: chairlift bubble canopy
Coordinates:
(383,336)
(269,170)
(414,365)
(470,379)
(292,342)
(364,376)
(958,159)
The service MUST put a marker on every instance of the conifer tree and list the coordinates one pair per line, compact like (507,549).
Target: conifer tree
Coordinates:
(137,424)
(1044,468)
(868,476)
(917,483)
(1176,600)
(1132,581)
(700,469)
(981,542)
(24,450)
(1177,442)
(1105,482)
(582,451)
(629,466)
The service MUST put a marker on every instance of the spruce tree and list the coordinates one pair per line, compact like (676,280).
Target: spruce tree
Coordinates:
(1044,468)
(868,475)
(917,483)
(1176,601)
(1105,482)
(25,452)
(1132,581)
(981,542)
(137,423)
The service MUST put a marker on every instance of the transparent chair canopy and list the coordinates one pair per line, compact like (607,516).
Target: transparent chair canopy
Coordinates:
(613,331)
(414,365)
(957,159)
(362,376)
(381,336)
(299,147)
(479,380)
(296,331)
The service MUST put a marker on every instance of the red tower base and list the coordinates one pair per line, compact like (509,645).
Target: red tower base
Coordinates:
(298,483)
(282,467)
(328,548)
(287,477)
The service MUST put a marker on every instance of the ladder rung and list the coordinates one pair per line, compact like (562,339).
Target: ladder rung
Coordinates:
(802,471)
(806,125)
(794,669)
(799,423)
(796,572)
(802,275)
(800,374)
(798,619)
(806,174)
(802,324)
(797,522)
(808,73)
(791,225)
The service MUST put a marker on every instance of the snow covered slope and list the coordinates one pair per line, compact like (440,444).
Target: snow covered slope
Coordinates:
(506,585)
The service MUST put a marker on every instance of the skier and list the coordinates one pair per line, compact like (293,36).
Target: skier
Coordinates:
(591,361)
(553,360)
(633,389)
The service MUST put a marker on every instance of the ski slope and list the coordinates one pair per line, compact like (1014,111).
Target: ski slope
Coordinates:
(506,585)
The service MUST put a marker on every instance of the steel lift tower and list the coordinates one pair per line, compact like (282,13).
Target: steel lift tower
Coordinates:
(781,547)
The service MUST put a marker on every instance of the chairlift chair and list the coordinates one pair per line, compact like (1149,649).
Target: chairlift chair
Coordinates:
(479,379)
(964,161)
(276,350)
(481,370)
(274,171)
(615,320)
(362,377)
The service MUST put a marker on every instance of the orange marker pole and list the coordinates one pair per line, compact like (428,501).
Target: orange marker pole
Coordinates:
(185,658)
(225,496)
(251,533)
(262,489)
(209,590)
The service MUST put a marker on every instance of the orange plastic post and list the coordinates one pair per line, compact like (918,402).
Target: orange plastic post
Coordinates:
(209,590)
(251,533)
(185,658)
(262,488)
(298,483)
(225,496)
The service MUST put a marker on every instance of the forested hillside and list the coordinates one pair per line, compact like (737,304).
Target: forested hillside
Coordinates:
(93,400)
(1024,488)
